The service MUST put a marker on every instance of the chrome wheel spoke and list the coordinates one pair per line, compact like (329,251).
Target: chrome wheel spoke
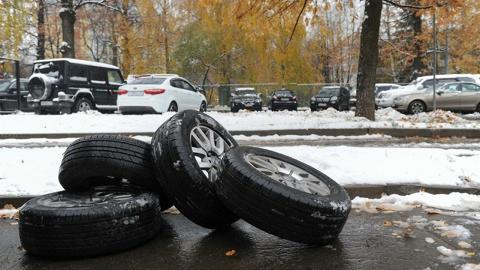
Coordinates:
(288,174)
(208,148)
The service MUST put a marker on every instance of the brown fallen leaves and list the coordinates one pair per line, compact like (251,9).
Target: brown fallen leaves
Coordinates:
(231,253)
(9,212)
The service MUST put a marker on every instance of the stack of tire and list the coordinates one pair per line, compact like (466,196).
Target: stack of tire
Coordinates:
(116,188)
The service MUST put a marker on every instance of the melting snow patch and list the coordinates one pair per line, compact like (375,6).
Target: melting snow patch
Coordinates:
(429,240)
(454,202)
(470,266)
(451,256)
(454,231)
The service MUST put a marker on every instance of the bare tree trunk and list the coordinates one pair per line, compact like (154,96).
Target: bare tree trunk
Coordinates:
(41,30)
(114,41)
(415,19)
(368,59)
(166,35)
(68,16)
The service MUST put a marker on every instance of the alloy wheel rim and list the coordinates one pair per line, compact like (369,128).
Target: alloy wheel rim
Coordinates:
(417,107)
(84,106)
(288,174)
(173,108)
(208,148)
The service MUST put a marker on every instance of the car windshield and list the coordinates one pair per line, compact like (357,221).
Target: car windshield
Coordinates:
(245,92)
(148,81)
(4,84)
(283,93)
(329,91)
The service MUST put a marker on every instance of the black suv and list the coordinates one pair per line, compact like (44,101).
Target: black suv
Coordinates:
(8,94)
(69,85)
(337,97)
(283,100)
(245,98)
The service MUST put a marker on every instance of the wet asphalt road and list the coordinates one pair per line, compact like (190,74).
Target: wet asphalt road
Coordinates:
(365,243)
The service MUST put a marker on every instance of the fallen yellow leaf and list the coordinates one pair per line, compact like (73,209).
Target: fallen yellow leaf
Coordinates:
(230,253)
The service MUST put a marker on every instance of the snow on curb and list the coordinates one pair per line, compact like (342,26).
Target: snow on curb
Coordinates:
(452,202)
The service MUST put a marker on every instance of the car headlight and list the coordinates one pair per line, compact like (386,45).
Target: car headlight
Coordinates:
(333,99)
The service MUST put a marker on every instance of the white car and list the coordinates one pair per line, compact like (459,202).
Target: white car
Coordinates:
(385,99)
(157,93)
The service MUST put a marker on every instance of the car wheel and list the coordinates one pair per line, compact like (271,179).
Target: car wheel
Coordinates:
(233,109)
(99,221)
(478,108)
(313,109)
(203,107)
(109,159)
(187,150)
(173,107)
(416,106)
(83,104)
(282,196)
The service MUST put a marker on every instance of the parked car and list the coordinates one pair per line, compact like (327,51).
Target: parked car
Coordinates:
(68,85)
(385,99)
(8,94)
(283,99)
(158,93)
(245,98)
(382,87)
(379,87)
(337,97)
(458,96)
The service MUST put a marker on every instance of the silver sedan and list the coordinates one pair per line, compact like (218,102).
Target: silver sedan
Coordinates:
(457,96)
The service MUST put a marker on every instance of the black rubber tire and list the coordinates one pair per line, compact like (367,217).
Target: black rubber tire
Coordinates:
(418,102)
(233,109)
(276,208)
(95,222)
(108,159)
(193,194)
(173,107)
(78,102)
(203,107)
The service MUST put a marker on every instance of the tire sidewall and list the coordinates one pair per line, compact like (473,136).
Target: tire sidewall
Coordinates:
(337,197)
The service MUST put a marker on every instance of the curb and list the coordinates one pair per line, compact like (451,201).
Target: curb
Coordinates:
(394,132)
(367,191)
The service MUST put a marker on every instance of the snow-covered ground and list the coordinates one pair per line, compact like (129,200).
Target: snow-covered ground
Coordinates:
(33,171)
(96,122)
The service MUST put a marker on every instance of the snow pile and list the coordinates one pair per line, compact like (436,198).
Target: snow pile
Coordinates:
(33,171)
(452,202)
(438,116)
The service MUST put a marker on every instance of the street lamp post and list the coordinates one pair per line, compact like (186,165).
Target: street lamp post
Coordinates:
(434,56)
